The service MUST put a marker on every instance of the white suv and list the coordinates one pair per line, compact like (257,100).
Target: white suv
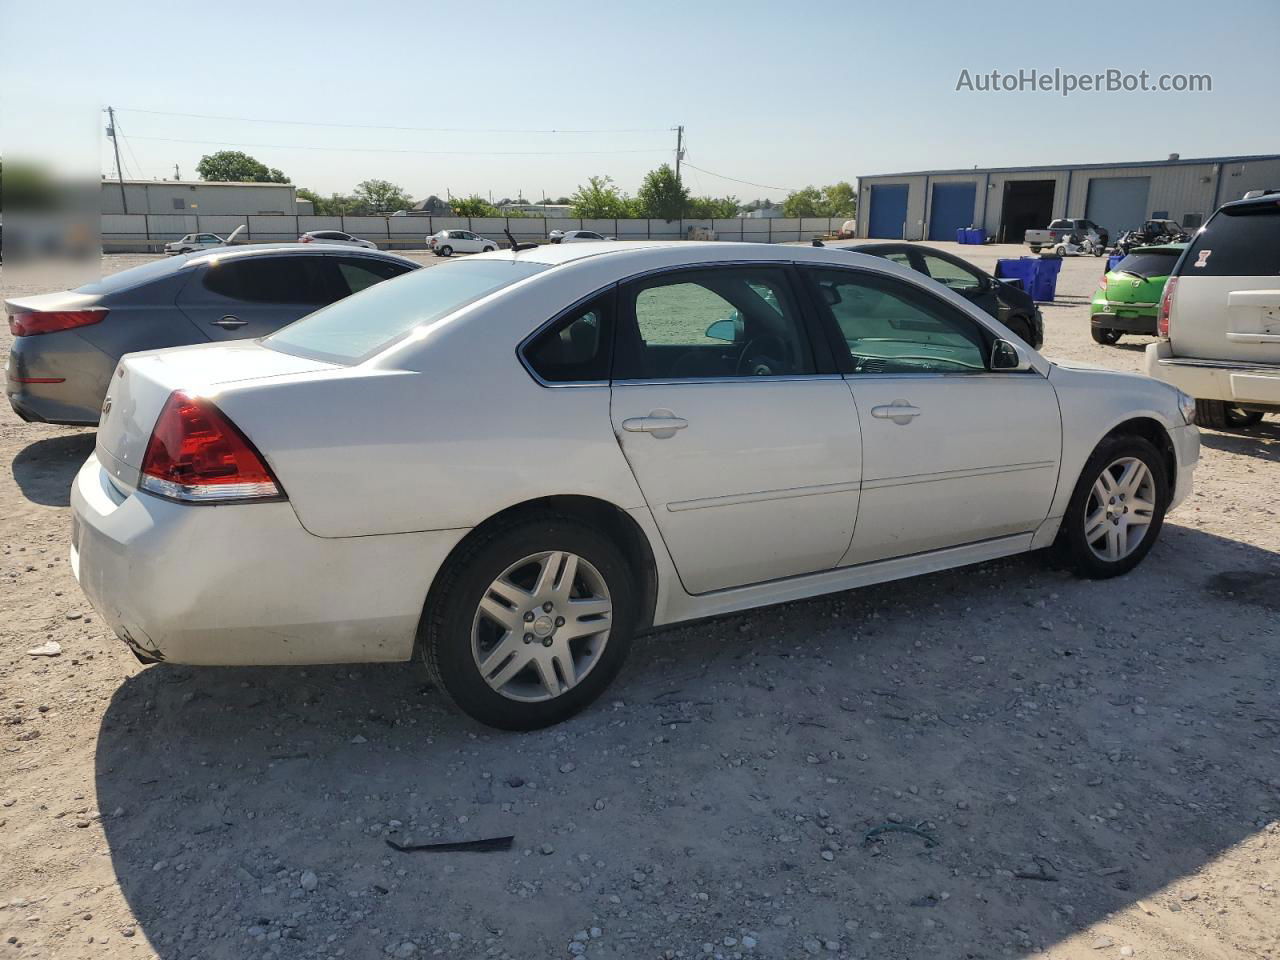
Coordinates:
(1219,319)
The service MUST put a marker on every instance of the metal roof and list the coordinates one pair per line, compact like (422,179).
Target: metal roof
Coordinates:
(1077,166)
(112,181)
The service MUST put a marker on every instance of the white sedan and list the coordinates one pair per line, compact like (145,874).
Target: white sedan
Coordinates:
(446,243)
(575,236)
(336,236)
(511,464)
(202,241)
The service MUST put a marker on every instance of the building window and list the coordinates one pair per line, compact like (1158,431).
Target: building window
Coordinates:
(1192,221)
(179,203)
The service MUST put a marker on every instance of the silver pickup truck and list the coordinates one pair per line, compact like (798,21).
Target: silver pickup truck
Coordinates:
(1070,236)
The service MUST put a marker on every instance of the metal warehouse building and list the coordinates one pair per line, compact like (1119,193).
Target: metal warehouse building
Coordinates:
(198,196)
(1007,201)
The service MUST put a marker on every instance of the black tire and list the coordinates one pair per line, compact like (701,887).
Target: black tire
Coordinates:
(1220,415)
(445,251)
(488,249)
(444,633)
(1104,336)
(1035,249)
(1072,546)
(1022,327)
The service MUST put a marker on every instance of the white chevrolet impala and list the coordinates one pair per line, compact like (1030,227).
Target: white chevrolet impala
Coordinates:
(510,465)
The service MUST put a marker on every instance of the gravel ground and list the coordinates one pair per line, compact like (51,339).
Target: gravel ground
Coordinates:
(1096,765)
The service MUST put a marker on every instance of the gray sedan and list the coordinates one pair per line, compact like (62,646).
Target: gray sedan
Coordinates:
(67,344)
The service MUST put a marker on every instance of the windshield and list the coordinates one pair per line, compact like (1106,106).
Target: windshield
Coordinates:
(1155,263)
(354,329)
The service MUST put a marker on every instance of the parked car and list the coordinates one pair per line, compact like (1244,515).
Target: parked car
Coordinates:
(848,230)
(1219,318)
(336,236)
(202,241)
(1068,237)
(1127,297)
(575,236)
(448,242)
(66,345)
(1013,307)
(635,458)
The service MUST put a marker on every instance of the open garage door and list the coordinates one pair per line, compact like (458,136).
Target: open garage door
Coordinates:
(1027,205)
(888,218)
(951,209)
(1118,203)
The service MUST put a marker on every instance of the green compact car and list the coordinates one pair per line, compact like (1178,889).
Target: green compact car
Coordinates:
(1129,296)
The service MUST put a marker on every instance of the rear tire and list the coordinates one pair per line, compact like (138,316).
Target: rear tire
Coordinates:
(1035,249)
(1102,508)
(1104,336)
(459,629)
(445,252)
(1220,415)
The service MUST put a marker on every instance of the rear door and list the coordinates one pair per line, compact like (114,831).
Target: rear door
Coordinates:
(245,297)
(1227,299)
(747,453)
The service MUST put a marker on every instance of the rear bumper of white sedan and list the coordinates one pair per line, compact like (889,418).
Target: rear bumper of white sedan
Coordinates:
(245,584)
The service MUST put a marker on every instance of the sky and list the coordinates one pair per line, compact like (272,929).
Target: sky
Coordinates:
(457,98)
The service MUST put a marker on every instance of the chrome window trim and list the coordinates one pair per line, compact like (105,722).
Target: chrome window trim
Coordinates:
(673,381)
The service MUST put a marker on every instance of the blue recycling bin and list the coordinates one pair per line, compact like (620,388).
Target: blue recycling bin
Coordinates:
(1022,269)
(1113,260)
(977,235)
(962,234)
(1045,283)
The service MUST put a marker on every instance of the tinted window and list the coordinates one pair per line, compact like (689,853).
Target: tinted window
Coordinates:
(1060,225)
(951,275)
(1157,263)
(891,327)
(727,322)
(359,326)
(306,280)
(576,348)
(134,277)
(1237,242)
(358,273)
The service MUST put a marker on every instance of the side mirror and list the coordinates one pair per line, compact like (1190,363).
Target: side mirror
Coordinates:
(726,330)
(1006,356)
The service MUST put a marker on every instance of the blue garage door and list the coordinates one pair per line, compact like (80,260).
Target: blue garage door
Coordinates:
(951,209)
(1118,203)
(888,217)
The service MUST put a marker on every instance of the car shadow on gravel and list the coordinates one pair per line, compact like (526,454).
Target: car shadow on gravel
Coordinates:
(1262,440)
(1071,747)
(44,469)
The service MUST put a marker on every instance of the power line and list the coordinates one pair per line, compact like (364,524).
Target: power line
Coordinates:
(454,153)
(375,126)
(749,183)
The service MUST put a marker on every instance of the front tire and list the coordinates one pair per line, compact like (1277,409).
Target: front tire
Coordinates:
(1220,415)
(1104,336)
(1116,510)
(529,623)
(488,249)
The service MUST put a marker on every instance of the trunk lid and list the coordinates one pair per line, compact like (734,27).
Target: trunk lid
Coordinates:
(142,382)
(1140,277)
(46,302)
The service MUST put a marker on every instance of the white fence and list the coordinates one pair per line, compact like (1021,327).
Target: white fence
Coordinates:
(149,231)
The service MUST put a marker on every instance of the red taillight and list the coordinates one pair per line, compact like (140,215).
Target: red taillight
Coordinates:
(1104,282)
(196,454)
(1166,307)
(33,322)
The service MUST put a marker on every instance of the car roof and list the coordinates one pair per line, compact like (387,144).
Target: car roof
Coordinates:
(639,254)
(303,249)
(1267,199)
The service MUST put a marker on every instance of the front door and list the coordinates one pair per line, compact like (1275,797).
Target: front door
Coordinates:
(747,453)
(953,452)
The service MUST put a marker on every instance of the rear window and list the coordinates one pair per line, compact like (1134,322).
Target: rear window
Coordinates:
(1157,263)
(354,329)
(133,277)
(1236,242)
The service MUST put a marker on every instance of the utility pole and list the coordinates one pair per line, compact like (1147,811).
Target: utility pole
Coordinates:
(177,174)
(111,132)
(679,150)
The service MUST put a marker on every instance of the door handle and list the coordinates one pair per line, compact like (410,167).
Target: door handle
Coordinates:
(900,412)
(230,323)
(660,424)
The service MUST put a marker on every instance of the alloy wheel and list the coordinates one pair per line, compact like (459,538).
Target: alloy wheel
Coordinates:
(1120,509)
(541,626)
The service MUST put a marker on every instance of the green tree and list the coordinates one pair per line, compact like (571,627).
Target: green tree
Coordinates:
(661,195)
(840,199)
(834,200)
(802,203)
(382,196)
(600,198)
(473,206)
(234,165)
(709,208)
